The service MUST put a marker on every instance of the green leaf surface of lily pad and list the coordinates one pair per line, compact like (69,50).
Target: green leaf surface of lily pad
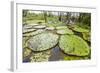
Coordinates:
(74,45)
(43,41)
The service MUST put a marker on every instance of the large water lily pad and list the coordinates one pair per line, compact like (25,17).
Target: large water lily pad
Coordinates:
(74,45)
(75,58)
(64,31)
(61,27)
(43,41)
(79,29)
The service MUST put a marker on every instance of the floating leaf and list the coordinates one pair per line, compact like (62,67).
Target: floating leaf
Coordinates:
(74,45)
(63,30)
(79,29)
(33,33)
(39,27)
(86,36)
(28,30)
(75,58)
(26,52)
(40,56)
(50,28)
(43,41)
(61,27)
(27,26)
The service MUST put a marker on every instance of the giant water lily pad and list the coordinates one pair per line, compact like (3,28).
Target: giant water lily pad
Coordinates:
(76,58)
(79,29)
(63,30)
(61,27)
(43,41)
(74,45)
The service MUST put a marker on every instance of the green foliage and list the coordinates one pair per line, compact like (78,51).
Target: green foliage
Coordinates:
(85,18)
(74,45)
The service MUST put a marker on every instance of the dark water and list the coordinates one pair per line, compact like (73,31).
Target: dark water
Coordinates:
(56,54)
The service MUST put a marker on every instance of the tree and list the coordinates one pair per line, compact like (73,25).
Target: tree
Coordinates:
(45,16)
(25,13)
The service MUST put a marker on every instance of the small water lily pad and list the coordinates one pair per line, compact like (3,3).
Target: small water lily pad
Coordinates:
(39,26)
(26,52)
(43,41)
(40,56)
(33,33)
(27,26)
(74,45)
(64,31)
(50,28)
(28,30)
(34,24)
(61,27)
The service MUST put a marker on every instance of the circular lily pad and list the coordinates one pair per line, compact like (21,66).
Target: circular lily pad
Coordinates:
(50,28)
(27,26)
(79,29)
(39,26)
(43,41)
(28,30)
(34,24)
(61,27)
(74,45)
(33,33)
(64,31)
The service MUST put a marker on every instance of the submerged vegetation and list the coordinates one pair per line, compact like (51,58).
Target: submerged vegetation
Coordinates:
(54,36)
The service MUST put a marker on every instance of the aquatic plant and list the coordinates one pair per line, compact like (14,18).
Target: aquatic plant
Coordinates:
(40,38)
